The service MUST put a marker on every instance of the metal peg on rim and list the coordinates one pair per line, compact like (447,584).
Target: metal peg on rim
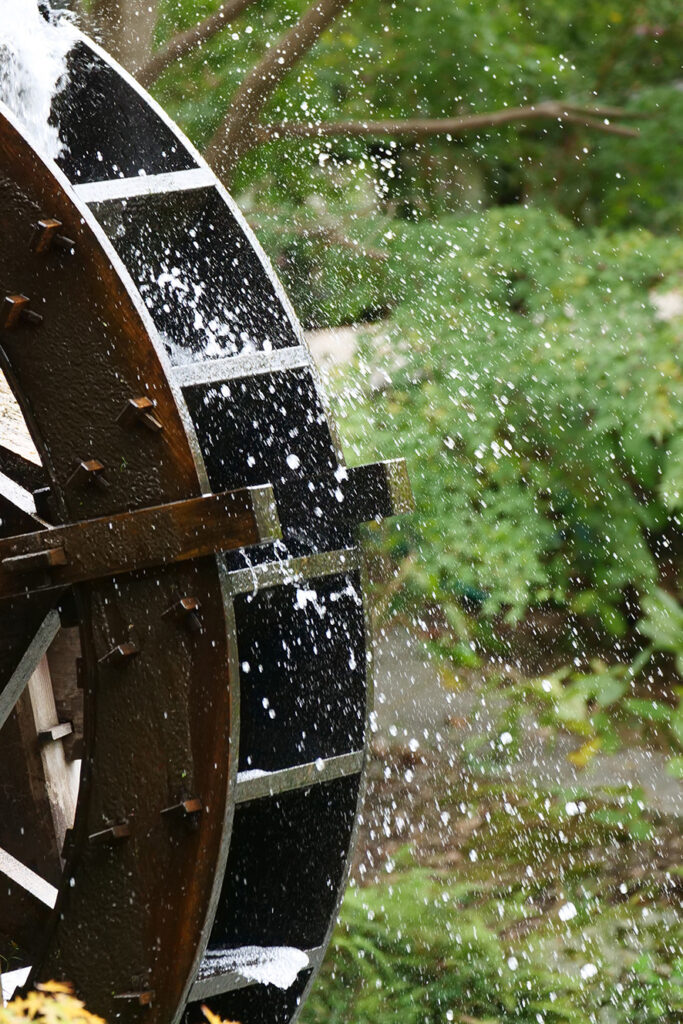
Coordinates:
(46,236)
(143,998)
(45,504)
(112,834)
(15,311)
(185,611)
(88,472)
(187,811)
(120,655)
(140,411)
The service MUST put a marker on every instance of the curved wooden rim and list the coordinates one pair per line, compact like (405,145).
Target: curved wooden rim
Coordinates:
(89,294)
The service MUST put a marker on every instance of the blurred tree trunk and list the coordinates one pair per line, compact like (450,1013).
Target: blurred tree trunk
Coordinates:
(125,28)
(236,134)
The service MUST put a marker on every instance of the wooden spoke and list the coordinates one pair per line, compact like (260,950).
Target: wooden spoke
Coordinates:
(10,981)
(18,513)
(27,879)
(28,665)
(23,471)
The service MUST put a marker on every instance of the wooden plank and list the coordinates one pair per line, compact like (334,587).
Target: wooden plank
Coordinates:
(353,494)
(63,658)
(60,731)
(145,185)
(58,778)
(291,570)
(252,785)
(130,541)
(250,364)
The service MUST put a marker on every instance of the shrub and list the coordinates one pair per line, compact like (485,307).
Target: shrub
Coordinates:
(531,374)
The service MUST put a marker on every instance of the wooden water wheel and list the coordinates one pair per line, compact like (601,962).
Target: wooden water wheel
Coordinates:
(184,690)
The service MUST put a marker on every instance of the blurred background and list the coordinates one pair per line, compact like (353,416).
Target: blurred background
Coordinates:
(476,209)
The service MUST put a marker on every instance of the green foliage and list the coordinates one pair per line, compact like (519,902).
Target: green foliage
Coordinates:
(535,926)
(528,375)
(409,950)
(629,818)
(530,371)
(662,623)
(389,60)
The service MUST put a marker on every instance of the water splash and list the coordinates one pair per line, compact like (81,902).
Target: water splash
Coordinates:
(33,67)
(265,965)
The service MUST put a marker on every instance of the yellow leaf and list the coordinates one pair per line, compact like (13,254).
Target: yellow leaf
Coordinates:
(213,1018)
(585,753)
(52,1005)
(56,986)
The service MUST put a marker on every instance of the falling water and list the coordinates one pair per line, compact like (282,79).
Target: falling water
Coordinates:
(33,67)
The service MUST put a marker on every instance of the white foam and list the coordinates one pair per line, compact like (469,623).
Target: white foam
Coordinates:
(33,68)
(264,965)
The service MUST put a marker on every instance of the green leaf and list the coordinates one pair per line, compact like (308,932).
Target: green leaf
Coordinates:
(676,724)
(663,621)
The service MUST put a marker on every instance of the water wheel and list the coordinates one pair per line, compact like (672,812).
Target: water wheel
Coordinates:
(184,689)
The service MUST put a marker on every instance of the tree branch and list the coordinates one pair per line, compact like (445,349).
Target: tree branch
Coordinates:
(597,119)
(183,43)
(236,134)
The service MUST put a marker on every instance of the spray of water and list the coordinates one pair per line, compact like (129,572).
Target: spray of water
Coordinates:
(33,67)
